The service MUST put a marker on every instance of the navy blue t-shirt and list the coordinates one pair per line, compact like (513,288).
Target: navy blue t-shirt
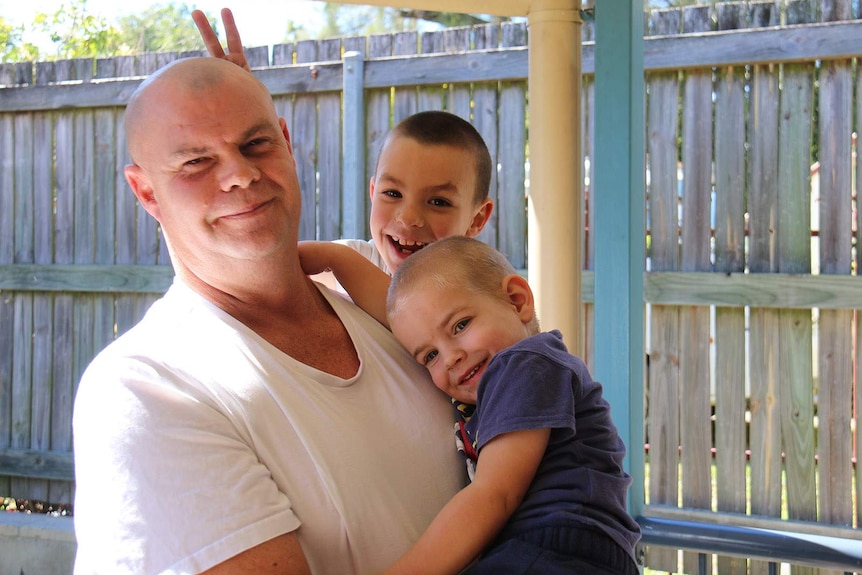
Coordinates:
(537,384)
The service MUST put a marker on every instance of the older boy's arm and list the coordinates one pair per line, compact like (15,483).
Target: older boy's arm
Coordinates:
(235,53)
(280,555)
(474,517)
(365,283)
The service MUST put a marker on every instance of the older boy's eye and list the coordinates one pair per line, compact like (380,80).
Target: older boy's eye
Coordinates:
(392,193)
(440,203)
(429,357)
(461,325)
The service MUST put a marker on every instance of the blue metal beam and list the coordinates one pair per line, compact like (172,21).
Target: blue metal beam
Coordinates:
(618,194)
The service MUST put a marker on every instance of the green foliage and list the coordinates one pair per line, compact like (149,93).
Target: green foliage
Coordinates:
(78,34)
(75,32)
(351,20)
(347,20)
(160,28)
(12,46)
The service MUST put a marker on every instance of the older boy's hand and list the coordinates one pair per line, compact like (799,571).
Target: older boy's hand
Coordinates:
(316,256)
(235,51)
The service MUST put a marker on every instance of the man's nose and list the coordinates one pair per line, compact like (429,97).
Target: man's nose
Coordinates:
(237,171)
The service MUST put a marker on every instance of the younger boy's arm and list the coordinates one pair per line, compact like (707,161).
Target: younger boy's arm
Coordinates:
(365,283)
(473,518)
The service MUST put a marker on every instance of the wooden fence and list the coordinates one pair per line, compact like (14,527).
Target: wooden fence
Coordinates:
(751,285)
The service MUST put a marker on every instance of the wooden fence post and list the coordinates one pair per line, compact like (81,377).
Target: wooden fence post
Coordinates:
(353,187)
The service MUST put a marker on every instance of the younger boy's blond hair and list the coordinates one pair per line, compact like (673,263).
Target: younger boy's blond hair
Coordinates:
(456,262)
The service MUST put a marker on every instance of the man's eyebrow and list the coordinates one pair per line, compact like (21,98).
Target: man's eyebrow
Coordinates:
(263,127)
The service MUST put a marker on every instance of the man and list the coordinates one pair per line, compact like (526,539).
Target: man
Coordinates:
(253,422)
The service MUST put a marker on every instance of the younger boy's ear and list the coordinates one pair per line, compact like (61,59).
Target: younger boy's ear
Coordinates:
(520,295)
(480,218)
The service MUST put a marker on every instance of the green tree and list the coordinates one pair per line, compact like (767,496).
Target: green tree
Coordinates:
(350,19)
(160,28)
(12,46)
(76,33)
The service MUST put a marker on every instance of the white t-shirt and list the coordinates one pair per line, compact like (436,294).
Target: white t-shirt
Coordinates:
(195,439)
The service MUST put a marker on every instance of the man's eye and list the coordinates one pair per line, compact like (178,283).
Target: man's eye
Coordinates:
(429,357)
(440,203)
(256,142)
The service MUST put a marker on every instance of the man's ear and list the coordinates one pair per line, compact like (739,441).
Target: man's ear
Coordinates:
(520,295)
(140,184)
(283,125)
(480,218)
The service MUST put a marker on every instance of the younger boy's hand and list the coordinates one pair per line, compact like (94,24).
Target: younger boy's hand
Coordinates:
(235,52)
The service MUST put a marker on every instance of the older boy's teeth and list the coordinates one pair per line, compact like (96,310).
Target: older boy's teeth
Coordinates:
(408,246)
(408,242)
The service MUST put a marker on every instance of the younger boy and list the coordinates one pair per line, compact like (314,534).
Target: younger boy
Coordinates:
(548,493)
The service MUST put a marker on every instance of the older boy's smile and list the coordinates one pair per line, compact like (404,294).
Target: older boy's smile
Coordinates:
(406,246)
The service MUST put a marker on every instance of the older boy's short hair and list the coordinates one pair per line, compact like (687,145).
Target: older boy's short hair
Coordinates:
(439,128)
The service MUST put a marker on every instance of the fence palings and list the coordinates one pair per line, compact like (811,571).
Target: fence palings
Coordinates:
(730,440)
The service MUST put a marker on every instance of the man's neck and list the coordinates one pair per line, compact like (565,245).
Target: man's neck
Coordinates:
(287,310)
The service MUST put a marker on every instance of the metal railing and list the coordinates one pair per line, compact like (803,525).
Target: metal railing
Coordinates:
(771,545)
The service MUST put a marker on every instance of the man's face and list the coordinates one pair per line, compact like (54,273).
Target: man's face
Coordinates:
(422,193)
(215,168)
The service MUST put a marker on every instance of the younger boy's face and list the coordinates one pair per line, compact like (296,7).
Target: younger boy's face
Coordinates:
(454,333)
(420,194)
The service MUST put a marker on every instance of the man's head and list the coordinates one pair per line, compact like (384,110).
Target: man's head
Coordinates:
(212,162)
(456,304)
(431,181)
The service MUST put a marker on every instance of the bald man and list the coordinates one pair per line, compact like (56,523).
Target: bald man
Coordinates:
(253,421)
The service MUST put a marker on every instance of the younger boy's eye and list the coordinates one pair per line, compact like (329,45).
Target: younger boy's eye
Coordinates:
(461,325)
(429,357)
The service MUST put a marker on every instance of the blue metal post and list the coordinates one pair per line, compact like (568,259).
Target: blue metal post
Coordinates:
(619,222)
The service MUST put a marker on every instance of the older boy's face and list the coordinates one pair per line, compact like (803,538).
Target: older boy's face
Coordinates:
(420,194)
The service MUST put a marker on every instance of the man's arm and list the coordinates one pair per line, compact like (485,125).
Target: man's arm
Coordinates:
(235,52)
(280,555)
(366,284)
(471,520)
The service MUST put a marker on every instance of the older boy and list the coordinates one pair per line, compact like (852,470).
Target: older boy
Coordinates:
(431,182)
